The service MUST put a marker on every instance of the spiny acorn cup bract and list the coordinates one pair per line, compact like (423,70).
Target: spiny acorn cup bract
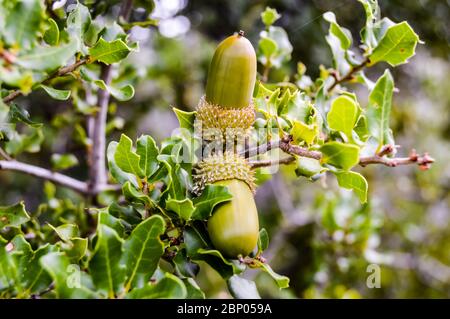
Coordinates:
(228,103)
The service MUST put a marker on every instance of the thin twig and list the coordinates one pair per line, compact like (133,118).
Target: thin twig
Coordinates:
(349,75)
(261,149)
(424,161)
(265,163)
(60,72)
(57,178)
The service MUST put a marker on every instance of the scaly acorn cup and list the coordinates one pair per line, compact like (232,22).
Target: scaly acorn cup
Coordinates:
(233,226)
(231,79)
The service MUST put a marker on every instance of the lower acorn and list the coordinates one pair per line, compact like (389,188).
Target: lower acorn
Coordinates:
(233,226)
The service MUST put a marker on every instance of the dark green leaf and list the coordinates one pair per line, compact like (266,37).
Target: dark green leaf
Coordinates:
(119,175)
(148,151)
(182,207)
(61,95)
(109,52)
(142,251)
(70,281)
(126,159)
(104,266)
(169,287)
(211,196)
(135,196)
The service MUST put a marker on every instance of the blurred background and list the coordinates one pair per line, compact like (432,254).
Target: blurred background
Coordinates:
(321,237)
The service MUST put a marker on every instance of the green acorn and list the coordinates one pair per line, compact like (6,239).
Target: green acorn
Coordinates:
(232,73)
(228,103)
(233,226)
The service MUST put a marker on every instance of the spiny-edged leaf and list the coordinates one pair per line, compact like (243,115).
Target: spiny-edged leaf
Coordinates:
(397,45)
(124,93)
(263,240)
(109,52)
(169,287)
(69,280)
(198,247)
(60,95)
(104,266)
(241,288)
(13,216)
(354,181)
(192,289)
(20,267)
(342,34)
(23,21)
(143,249)
(182,207)
(341,155)
(19,143)
(186,119)
(282,281)
(33,276)
(119,175)
(308,167)
(304,132)
(16,113)
(66,231)
(126,159)
(148,151)
(51,35)
(211,196)
(43,58)
(134,196)
(343,115)
(63,161)
(379,108)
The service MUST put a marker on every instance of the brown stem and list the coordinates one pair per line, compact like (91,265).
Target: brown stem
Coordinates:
(60,72)
(265,163)
(349,75)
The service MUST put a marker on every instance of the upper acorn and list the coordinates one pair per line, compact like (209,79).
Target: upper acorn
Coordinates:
(232,73)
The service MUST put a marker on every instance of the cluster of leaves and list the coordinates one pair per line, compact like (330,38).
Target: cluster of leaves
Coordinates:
(323,115)
(148,242)
(42,52)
